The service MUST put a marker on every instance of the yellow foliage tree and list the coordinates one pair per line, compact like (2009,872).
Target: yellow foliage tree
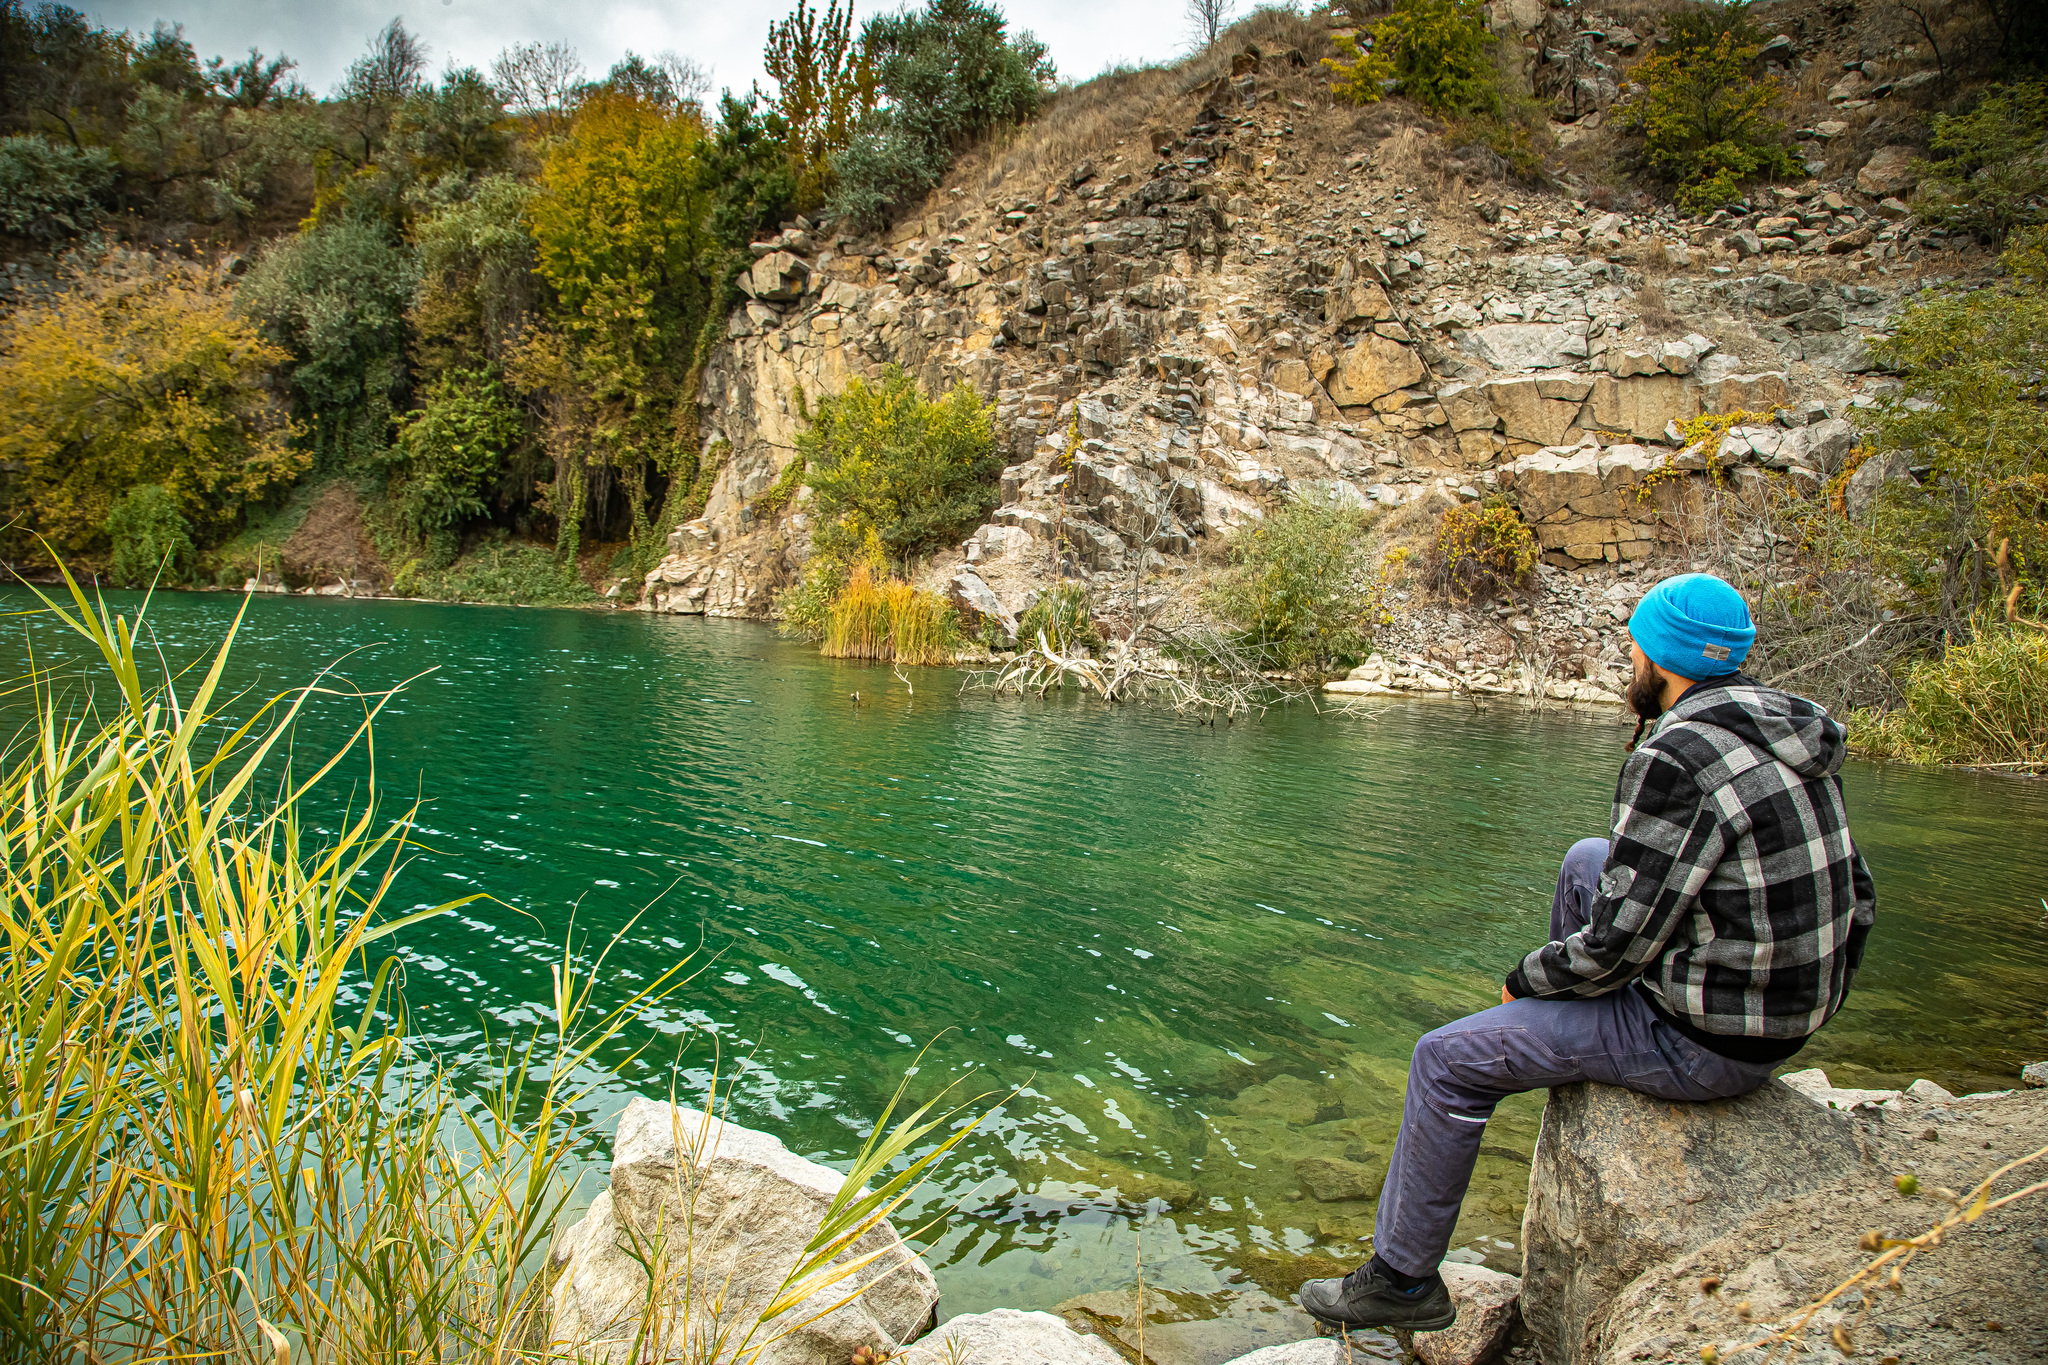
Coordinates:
(138,372)
(622,233)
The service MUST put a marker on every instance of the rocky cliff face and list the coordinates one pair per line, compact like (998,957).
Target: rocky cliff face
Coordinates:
(1251,290)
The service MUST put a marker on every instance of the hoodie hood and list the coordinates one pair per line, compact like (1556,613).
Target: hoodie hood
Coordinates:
(1796,732)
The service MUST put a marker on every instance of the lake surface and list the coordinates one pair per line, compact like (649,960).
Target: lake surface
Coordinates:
(1199,955)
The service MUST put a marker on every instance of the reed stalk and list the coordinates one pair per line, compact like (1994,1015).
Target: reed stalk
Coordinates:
(219,1138)
(889,620)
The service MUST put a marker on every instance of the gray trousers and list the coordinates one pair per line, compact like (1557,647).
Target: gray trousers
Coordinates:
(1462,1070)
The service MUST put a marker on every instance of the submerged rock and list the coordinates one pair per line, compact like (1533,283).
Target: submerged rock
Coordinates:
(1624,1183)
(725,1213)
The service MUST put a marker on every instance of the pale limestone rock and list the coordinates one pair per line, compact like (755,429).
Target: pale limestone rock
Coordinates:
(749,1206)
(1643,405)
(1890,171)
(1466,408)
(1861,492)
(1623,1184)
(1813,1083)
(2034,1075)
(1927,1092)
(1748,392)
(1527,413)
(976,602)
(1008,1336)
(1376,366)
(1523,346)
(1488,1305)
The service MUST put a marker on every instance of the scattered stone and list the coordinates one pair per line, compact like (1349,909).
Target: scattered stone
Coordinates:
(1009,1336)
(1488,1308)
(978,604)
(1813,1083)
(1331,1180)
(751,1205)
(2034,1074)
(1374,367)
(1889,171)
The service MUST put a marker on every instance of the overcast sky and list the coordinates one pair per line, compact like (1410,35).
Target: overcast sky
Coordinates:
(325,35)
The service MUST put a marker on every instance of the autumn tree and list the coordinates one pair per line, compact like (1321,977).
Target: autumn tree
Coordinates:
(824,83)
(622,236)
(139,372)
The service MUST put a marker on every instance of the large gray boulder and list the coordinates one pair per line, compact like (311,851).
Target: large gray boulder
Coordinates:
(724,1213)
(1009,1336)
(1623,1183)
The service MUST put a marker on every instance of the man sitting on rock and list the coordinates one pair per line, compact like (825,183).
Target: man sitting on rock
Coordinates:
(1690,955)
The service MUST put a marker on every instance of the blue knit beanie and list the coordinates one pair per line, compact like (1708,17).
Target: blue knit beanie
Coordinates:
(1693,625)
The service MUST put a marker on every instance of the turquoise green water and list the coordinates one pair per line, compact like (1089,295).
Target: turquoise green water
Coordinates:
(1200,954)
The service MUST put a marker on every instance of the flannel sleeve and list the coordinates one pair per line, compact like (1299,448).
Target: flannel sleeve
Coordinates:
(1666,842)
(1866,907)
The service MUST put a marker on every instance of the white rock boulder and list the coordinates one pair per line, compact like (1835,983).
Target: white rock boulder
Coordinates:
(724,1213)
(1009,1336)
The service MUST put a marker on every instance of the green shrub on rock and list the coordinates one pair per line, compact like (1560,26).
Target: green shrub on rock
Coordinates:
(1989,172)
(48,190)
(1304,589)
(452,448)
(887,465)
(1483,549)
(1705,121)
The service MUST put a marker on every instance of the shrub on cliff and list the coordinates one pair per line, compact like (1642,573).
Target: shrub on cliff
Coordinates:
(1704,120)
(451,449)
(49,190)
(139,372)
(1481,549)
(889,465)
(1989,171)
(1435,52)
(1970,410)
(1304,589)
(944,74)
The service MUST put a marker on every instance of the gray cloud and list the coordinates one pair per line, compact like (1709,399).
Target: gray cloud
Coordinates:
(1085,35)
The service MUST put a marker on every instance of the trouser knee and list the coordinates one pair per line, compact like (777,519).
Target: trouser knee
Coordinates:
(1585,861)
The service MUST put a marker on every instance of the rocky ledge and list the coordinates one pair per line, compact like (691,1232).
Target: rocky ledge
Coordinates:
(1653,1230)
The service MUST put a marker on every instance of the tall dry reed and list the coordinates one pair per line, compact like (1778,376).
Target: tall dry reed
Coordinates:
(889,620)
(218,1139)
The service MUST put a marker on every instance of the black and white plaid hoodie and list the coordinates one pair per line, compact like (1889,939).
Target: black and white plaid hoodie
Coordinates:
(1732,888)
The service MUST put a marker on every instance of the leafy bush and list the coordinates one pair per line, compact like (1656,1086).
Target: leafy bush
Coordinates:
(1970,365)
(825,83)
(452,447)
(886,463)
(335,299)
(507,574)
(138,372)
(1483,549)
(1989,173)
(889,619)
(1436,51)
(804,609)
(1304,587)
(1065,617)
(945,73)
(476,283)
(1981,702)
(1705,122)
(50,190)
(152,540)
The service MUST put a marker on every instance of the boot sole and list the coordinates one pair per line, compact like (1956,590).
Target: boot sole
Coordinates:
(1336,1326)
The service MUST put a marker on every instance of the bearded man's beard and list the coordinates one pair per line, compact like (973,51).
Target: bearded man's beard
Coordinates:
(1646,699)
(1646,692)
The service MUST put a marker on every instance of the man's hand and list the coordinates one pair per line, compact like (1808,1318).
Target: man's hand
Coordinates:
(1505,998)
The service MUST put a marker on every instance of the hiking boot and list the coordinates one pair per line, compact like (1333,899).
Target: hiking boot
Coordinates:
(1365,1298)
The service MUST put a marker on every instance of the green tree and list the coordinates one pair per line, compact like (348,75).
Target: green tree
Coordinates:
(890,467)
(335,299)
(1989,172)
(824,83)
(1971,365)
(622,235)
(477,288)
(1304,588)
(453,447)
(945,73)
(152,540)
(1705,121)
